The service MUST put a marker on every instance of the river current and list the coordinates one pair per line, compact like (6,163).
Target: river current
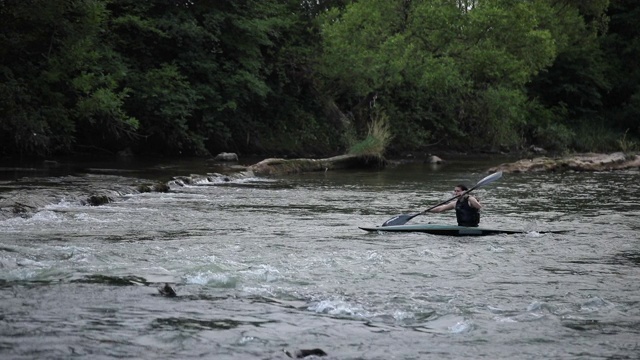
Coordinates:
(265,264)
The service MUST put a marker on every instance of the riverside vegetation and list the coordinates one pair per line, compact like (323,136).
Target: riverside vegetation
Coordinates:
(317,77)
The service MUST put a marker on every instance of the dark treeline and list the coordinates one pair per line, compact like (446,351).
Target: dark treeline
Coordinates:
(195,77)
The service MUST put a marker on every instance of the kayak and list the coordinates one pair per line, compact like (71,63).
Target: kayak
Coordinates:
(452,230)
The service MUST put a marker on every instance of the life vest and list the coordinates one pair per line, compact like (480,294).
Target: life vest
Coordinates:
(466,214)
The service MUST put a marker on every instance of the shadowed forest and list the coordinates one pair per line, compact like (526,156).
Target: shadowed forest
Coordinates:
(317,77)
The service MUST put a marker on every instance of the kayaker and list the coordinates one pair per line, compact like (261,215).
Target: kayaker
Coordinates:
(467,208)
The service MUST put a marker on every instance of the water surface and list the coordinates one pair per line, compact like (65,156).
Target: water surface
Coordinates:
(262,264)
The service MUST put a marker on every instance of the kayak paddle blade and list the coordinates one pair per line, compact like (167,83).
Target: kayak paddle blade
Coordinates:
(488,180)
(399,220)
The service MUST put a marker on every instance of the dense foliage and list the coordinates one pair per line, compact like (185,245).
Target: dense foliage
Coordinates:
(195,77)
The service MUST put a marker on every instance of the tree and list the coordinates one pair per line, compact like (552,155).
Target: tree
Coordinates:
(54,78)
(621,47)
(442,69)
(572,88)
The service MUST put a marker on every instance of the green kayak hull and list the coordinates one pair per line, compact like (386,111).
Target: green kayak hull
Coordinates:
(451,230)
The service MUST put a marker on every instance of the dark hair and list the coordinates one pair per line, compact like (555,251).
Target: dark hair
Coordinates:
(462,187)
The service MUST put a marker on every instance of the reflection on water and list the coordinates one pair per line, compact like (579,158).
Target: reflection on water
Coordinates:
(262,264)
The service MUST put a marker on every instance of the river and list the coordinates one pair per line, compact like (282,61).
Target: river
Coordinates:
(265,264)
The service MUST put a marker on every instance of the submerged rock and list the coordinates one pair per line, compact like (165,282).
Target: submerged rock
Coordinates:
(97,200)
(303,353)
(167,291)
(20,208)
(161,187)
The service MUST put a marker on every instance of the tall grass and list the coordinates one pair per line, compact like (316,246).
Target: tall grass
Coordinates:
(627,145)
(378,137)
(594,136)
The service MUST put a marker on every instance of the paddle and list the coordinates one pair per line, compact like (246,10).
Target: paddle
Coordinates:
(404,218)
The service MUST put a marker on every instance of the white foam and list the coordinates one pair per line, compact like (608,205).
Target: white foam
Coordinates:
(211,278)
(461,327)
(266,273)
(46,216)
(338,307)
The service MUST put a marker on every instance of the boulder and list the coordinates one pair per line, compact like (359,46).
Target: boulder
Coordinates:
(537,150)
(432,159)
(226,157)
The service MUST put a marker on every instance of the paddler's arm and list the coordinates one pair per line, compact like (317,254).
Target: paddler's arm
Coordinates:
(473,202)
(442,208)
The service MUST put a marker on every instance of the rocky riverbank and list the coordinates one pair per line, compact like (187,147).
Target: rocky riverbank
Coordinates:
(574,162)
(277,166)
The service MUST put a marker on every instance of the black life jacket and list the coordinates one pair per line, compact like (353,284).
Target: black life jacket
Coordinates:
(466,214)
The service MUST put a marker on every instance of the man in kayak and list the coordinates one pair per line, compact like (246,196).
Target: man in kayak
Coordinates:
(467,208)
